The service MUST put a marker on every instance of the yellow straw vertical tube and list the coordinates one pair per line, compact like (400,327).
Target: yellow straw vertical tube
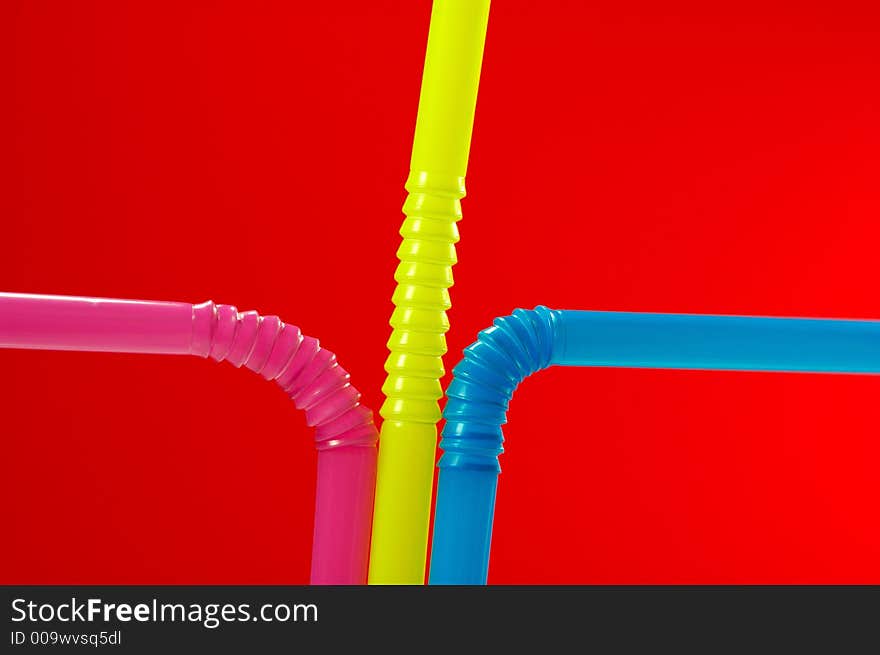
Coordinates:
(433,206)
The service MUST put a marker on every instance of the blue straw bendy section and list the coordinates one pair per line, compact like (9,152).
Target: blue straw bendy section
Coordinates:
(530,340)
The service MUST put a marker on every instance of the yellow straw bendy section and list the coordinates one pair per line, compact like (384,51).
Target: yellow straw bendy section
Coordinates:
(435,187)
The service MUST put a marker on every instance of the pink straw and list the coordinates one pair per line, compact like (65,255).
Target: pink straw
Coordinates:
(344,432)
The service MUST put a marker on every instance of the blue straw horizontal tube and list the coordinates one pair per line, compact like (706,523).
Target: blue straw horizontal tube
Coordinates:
(527,341)
(725,343)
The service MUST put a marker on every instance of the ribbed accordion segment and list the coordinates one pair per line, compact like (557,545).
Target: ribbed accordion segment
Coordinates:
(421,298)
(503,355)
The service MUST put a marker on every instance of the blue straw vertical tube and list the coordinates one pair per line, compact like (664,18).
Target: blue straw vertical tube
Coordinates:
(461,556)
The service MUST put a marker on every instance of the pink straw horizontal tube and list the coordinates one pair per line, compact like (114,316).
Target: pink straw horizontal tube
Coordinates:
(344,432)
(95,324)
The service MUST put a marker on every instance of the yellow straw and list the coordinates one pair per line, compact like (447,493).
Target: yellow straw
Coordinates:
(411,411)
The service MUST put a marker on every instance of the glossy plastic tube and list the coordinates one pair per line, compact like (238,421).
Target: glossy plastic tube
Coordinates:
(417,344)
(344,432)
(517,346)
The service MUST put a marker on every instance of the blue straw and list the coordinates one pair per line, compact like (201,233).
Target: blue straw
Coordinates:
(528,341)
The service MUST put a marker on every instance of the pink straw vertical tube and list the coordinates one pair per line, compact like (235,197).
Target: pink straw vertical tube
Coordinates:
(344,431)
(343,515)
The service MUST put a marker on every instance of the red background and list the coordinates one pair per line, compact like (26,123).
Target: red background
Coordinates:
(660,156)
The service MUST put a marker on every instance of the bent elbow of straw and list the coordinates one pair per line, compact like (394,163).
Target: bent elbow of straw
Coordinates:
(527,341)
(476,407)
(345,435)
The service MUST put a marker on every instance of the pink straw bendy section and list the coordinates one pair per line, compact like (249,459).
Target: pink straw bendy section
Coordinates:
(345,435)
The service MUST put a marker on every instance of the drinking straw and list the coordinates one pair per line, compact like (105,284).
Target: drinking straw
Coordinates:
(528,341)
(417,344)
(344,432)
